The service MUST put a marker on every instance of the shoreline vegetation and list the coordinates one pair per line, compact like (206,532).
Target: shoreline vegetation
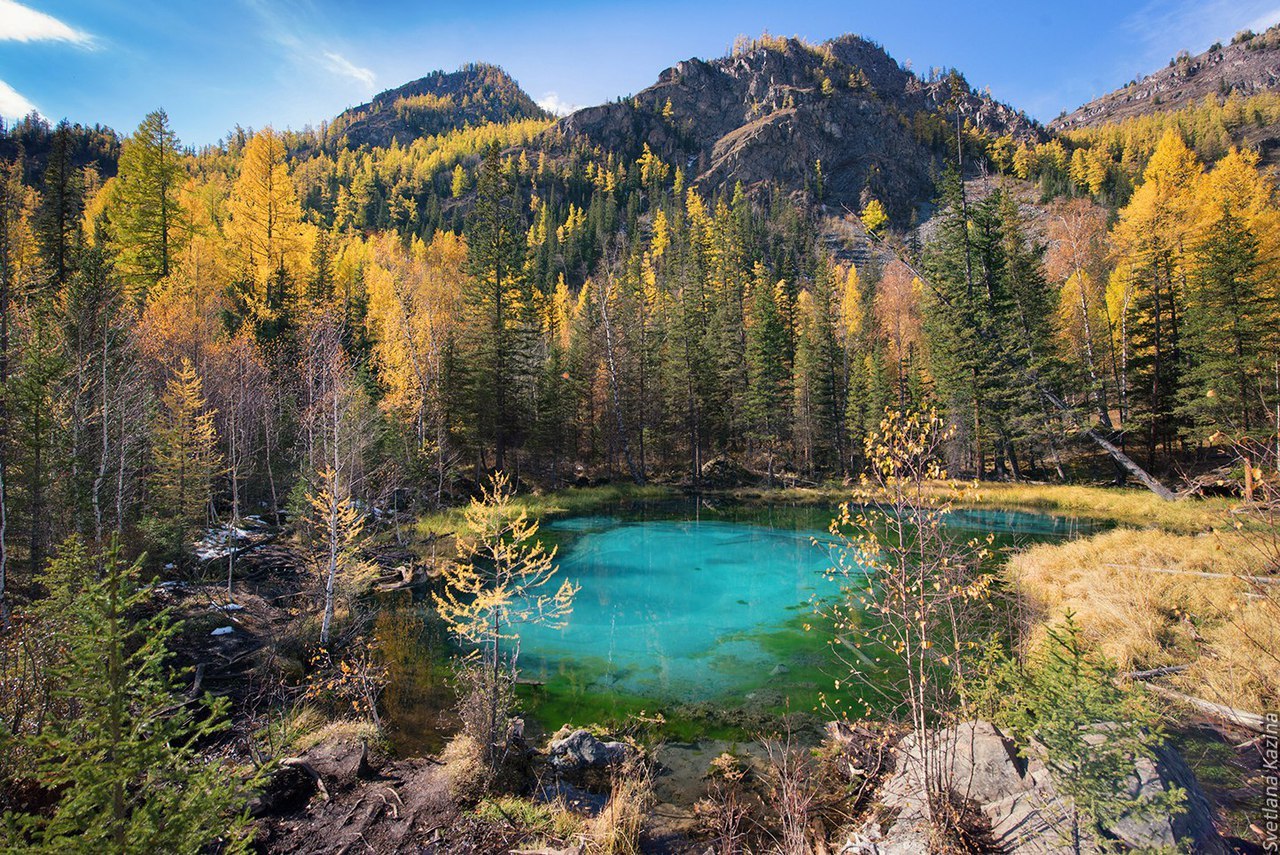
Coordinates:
(1128,506)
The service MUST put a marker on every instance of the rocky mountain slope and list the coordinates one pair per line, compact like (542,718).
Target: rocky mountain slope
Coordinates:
(435,104)
(1247,66)
(771,113)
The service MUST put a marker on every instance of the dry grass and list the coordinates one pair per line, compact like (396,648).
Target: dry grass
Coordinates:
(1131,507)
(1138,618)
(616,829)
(1125,506)
(1240,665)
(1142,616)
(549,821)
(466,768)
(314,730)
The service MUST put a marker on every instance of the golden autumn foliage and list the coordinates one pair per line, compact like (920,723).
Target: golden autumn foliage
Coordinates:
(337,528)
(414,300)
(264,223)
(503,574)
(186,453)
(873,216)
(851,311)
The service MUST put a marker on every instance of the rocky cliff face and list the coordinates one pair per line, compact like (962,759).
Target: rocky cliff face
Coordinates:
(768,115)
(435,104)
(1246,67)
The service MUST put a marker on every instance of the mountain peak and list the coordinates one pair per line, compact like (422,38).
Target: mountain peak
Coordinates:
(841,117)
(440,102)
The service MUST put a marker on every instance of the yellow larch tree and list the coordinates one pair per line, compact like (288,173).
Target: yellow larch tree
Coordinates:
(415,300)
(186,456)
(851,311)
(264,224)
(1151,239)
(1076,259)
(502,579)
(898,316)
(874,216)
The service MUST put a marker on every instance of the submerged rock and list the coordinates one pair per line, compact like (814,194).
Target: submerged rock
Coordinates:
(580,757)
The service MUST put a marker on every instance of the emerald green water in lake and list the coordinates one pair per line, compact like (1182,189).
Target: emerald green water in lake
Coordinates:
(697,610)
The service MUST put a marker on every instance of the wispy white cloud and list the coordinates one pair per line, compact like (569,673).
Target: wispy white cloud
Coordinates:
(292,26)
(20,23)
(339,64)
(13,105)
(553,103)
(1164,28)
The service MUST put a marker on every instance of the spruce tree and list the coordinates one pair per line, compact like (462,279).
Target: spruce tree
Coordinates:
(1227,332)
(150,223)
(61,206)
(768,391)
(499,305)
(816,415)
(34,403)
(1093,733)
(125,770)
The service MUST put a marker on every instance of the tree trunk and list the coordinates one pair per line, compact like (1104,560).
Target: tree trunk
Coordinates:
(637,475)
(1148,480)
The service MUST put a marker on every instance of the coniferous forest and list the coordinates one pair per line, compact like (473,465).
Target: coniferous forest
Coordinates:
(293,425)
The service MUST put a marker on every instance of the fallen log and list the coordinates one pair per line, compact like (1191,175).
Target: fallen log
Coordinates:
(1204,574)
(1155,672)
(1124,460)
(1148,480)
(1249,720)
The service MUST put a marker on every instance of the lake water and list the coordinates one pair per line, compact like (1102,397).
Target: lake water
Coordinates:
(687,605)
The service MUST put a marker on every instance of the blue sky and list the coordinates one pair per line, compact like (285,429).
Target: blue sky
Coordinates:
(289,63)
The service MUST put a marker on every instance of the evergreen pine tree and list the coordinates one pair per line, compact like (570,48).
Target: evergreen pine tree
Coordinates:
(125,769)
(498,304)
(1227,331)
(150,222)
(768,390)
(1093,733)
(61,206)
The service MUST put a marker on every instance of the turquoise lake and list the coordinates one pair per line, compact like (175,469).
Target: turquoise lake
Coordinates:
(687,604)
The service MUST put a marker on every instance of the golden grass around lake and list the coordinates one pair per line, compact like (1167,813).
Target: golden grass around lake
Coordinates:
(1122,505)
(1148,598)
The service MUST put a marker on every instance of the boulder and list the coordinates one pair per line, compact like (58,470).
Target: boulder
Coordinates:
(1194,824)
(581,758)
(1019,800)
